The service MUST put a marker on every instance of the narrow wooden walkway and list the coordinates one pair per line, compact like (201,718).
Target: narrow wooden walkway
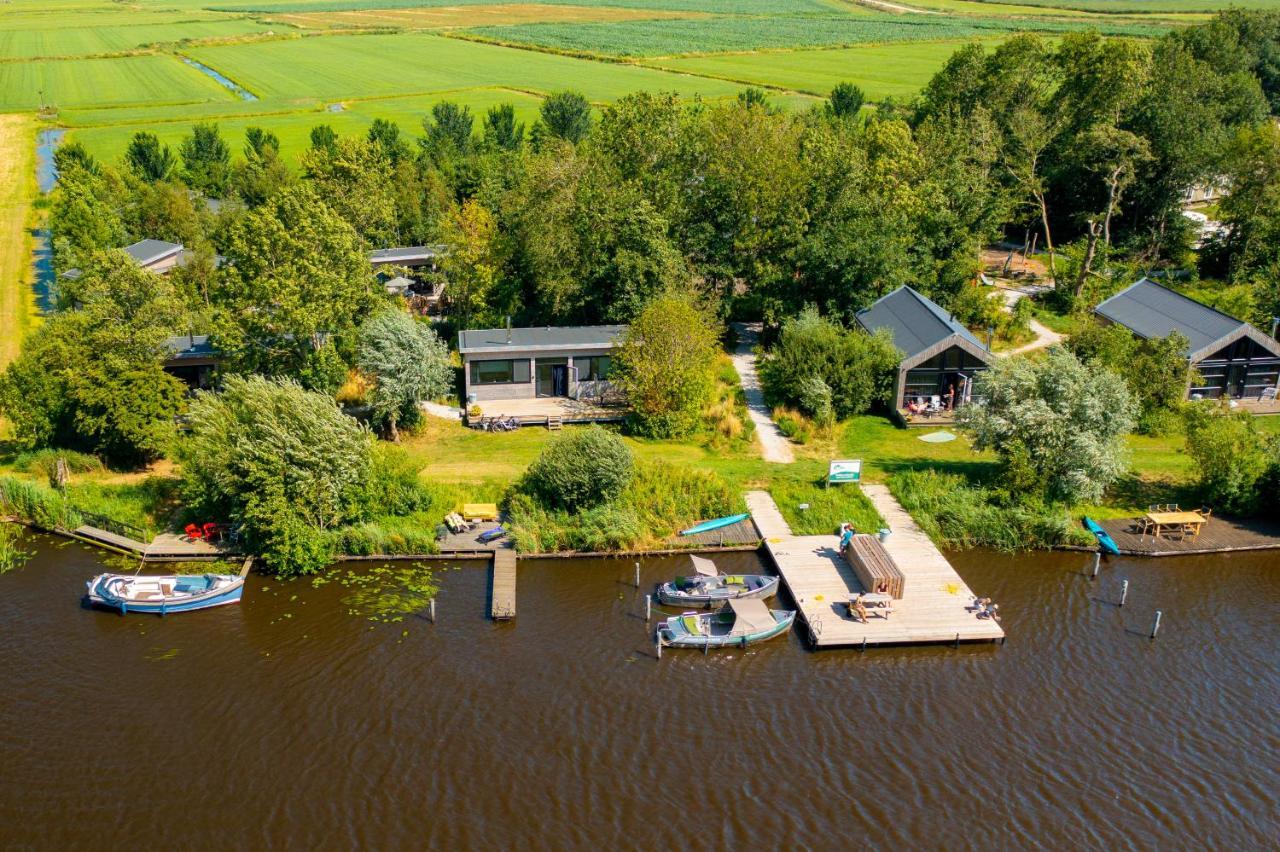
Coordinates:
(166,547)
(1220,535)
(503,597)
(934,606)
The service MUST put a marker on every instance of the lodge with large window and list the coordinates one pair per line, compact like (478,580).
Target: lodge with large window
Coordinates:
(1232,359)
(527,363)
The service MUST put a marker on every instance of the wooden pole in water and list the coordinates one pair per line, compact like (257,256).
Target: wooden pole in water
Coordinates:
(1097,560)
(433,610)
(1124,592)
(657,644)
(648,601)
(1155,625)
(637,575)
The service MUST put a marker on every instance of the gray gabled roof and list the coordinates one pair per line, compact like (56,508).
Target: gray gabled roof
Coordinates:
(189,347)
(405,254)
(916,323)
(147,252)
(1149,310)
(490,340)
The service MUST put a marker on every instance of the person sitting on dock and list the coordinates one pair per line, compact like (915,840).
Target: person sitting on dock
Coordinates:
(859,609)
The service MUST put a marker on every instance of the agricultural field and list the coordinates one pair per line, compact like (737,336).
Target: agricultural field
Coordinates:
(1149,6)
(728,34)
(882,71)
(89,41)
(17,186)
(153,78)
(468,16)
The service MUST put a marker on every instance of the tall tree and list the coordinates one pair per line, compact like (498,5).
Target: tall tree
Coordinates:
(448,130)
(471,263)
(566,115)
(845,100)
(501,128)
(206,160)
(147,158)
(409,364)
(355,180)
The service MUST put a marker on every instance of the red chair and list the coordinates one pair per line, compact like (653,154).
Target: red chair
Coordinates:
(212,531)
(193,531)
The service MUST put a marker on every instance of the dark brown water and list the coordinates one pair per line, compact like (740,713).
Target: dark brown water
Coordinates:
(287,721)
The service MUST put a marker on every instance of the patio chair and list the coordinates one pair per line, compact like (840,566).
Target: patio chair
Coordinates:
(1267,395)
(1205,512)
(212,531)
(193,532)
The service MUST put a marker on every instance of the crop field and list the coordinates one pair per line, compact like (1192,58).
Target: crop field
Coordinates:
(468,16)
(1150,6)
(674,37)
(722,7)
(17,185)
(893,70)
(157,78)
(369,65)
(87,41)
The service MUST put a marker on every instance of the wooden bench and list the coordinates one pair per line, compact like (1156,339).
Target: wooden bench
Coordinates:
(873,566)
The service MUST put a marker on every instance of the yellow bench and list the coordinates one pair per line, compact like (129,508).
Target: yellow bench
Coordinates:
(480,511)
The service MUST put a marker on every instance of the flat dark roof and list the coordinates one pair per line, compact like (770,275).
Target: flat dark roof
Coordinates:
(147,252)
(1150,310)
(916,323)
(493,340)
(405,254)
(190,347)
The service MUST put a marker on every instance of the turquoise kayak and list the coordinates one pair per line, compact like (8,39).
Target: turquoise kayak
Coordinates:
(1105,542)
(708,526)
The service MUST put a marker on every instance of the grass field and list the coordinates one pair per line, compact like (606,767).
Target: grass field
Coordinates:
(17,187)
(155,79)
(1149,6)
(294,128)
(724,7)
(87,41)
(673,37)
(882,71)
(370,65)
(468,16)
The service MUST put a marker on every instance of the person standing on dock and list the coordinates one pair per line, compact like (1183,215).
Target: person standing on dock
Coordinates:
(846,535)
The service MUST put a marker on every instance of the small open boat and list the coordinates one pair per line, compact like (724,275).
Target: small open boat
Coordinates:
(1105,542)
(740,623)
(172,593)
(715,524)
(709,587)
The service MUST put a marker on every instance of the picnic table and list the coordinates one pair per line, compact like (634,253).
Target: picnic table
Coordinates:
(480,511)
(876,603)
(1160,520)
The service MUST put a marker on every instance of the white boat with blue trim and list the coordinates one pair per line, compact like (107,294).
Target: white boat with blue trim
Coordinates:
(165,594)
(740,623)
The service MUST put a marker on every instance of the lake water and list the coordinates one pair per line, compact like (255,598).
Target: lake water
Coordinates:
(286,720)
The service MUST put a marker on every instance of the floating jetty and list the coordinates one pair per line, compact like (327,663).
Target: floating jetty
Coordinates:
(502,598)
(935,605)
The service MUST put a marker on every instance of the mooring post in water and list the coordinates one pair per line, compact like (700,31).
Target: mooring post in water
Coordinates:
(957,640)
(864,642)
(1155,625)
(657,644)
(648,600)
(433,610)
(1097,560)
(637,575)
(1124,592)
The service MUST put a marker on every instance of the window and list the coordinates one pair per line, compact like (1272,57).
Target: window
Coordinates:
(592,367)
(505,372)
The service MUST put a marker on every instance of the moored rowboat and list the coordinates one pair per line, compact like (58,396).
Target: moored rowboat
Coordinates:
(163,595)
(710,587)
(740,623)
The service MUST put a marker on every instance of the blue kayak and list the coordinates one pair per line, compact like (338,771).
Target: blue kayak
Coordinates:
(708,526)
(1105,542)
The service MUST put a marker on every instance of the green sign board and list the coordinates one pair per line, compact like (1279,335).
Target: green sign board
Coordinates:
(846,470)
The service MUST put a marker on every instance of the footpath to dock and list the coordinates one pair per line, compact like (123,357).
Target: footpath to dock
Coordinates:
(935,604)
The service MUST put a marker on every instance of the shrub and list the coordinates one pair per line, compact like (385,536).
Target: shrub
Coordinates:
(794,425)
(1232,455)
(814,397)
(858,369)
(35,504)
(580,469)
(44,463)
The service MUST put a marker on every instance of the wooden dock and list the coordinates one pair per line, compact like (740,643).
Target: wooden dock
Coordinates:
(166,547)
(502,597)
(1219,535)
(935,604)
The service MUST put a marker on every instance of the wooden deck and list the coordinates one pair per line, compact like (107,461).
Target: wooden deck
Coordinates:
(934,606)
(1219,535)
(743,532)
(165,547)
(503,585)
(536,412)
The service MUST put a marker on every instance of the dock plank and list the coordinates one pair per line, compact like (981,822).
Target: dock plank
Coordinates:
(503,597)
(934,607)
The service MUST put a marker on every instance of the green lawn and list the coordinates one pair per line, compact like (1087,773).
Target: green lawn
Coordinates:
(70,39)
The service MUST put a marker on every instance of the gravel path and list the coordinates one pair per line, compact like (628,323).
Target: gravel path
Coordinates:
(774,446)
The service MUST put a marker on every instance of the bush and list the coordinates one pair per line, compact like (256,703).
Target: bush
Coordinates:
(814,398)
(858,369)
(793,425)
(1232,455)
(957,514)
(44,463)
(580,469)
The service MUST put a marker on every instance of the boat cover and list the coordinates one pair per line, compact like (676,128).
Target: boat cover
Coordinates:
(705,567)
(752,615)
